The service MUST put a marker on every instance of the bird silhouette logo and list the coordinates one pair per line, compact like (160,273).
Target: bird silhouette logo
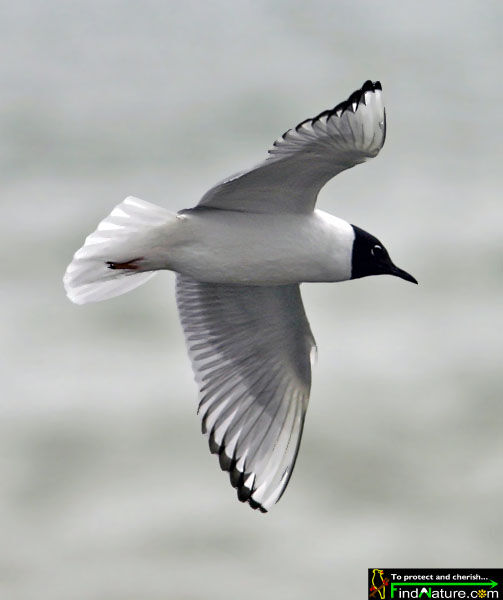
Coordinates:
(379,584)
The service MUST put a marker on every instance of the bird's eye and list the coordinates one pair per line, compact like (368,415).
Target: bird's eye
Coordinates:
(377,251)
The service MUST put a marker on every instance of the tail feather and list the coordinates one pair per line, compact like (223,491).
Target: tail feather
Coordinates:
(121,254)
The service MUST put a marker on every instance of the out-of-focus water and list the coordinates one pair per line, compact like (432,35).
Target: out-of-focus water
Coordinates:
(108,490)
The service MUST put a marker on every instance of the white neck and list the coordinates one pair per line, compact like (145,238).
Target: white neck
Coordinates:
(337,248)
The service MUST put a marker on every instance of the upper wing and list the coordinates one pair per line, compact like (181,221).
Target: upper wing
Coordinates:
(306,157)
(250,349)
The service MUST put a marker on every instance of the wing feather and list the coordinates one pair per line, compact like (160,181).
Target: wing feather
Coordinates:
(250,348)
(304,158)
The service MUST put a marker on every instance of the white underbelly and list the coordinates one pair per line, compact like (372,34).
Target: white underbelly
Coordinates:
(261,249)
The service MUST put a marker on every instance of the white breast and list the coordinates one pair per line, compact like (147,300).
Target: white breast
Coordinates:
(222,246)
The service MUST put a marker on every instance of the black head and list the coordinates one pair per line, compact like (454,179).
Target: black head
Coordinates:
(370,257)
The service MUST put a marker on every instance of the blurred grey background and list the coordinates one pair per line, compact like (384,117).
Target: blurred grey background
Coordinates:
(108,491)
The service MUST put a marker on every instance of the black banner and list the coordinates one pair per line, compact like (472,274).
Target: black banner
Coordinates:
(402,584)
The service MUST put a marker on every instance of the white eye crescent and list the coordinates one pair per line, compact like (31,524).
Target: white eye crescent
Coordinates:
(376,250)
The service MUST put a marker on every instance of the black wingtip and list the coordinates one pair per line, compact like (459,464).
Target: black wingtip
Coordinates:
(237,477)
(224,460)
(356,97)
(244,493)
(371,86)
(368,86)
(214,447)
(255,505)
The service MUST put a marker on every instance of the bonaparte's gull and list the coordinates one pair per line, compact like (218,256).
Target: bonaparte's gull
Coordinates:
(240,256)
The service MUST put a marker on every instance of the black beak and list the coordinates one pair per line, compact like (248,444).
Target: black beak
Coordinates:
(402,274)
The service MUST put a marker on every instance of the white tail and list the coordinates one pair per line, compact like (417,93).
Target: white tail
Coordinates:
(123,252)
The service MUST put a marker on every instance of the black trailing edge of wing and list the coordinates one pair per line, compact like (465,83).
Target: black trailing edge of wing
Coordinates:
(237,478)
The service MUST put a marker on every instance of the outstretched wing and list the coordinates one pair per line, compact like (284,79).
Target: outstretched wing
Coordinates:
(250,348)
(306,157)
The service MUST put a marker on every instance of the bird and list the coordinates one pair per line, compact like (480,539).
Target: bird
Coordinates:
(240,256)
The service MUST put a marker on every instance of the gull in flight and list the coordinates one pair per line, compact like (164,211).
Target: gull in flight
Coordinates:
(239,258)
